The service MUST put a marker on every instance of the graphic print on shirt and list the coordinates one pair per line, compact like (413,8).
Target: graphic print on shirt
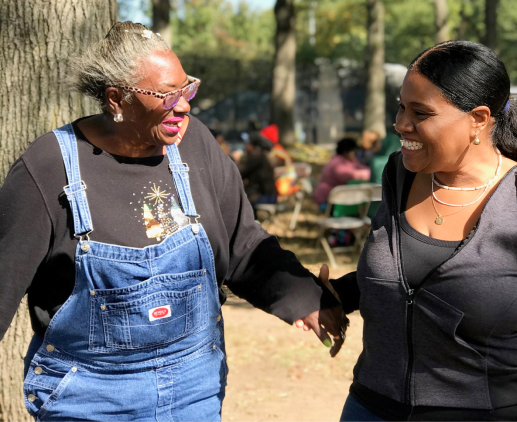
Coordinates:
(159,211)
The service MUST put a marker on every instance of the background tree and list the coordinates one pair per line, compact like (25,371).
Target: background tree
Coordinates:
(441,17)
(375,102)
(161,19)
(284,71)
(37,39)
(491,23)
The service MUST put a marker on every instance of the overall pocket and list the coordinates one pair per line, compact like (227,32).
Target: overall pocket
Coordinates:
(45,382)
(158,311)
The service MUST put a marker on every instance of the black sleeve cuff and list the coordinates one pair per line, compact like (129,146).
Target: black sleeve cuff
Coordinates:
(348,290)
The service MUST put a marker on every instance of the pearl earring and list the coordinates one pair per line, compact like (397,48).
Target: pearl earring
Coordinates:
(118,118)
(477,141)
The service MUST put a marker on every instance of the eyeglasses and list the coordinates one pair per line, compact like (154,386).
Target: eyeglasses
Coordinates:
(170,99)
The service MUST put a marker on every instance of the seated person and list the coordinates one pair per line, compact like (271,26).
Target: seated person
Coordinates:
(285,180)
(341,168)
(370,145)
(257,172)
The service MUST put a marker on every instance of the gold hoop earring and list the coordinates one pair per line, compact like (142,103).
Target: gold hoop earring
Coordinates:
(477,141)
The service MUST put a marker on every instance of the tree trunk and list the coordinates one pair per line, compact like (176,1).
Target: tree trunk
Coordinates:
(441,16)
(375,103)
(161,19)
(491,23)
(284,72)
(37,39)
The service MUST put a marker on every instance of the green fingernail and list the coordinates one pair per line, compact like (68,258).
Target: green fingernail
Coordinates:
(327,342)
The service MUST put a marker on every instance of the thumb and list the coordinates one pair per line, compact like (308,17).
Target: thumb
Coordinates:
(324,277)
(324,274)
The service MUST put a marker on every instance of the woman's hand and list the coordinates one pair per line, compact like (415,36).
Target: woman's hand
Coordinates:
(325,321)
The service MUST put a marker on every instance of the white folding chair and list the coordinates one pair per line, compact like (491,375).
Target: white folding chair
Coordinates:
(305,189)
(376,197)
(376,192)
(303,169)
(360,195)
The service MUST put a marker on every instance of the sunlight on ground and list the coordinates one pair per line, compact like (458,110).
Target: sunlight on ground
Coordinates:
(278,372)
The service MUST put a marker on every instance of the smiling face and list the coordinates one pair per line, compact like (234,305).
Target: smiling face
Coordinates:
(436,135)
(145,116)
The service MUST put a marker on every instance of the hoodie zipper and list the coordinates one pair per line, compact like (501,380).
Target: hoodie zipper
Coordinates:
(409,302)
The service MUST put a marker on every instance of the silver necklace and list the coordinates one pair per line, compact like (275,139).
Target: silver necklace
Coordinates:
(439,218)
(477,187)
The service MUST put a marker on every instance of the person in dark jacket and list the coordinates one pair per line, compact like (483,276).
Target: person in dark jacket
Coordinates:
(257,172)
(436,282)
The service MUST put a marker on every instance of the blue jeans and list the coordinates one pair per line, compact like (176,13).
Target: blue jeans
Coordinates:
(355,411)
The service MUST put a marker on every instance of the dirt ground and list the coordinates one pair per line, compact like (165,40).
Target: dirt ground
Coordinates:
(278,372)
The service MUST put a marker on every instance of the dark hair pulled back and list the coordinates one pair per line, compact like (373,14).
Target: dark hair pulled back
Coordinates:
(346,145)
(469,75)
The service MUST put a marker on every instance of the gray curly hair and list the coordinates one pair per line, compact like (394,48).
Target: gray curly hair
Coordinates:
(113,61)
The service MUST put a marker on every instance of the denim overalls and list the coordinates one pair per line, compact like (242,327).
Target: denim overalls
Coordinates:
(141,336)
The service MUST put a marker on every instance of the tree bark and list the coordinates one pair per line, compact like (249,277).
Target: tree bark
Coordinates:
(284,72)
(491,23)
(37,38)
(441,17)
(161,19)
(375,102)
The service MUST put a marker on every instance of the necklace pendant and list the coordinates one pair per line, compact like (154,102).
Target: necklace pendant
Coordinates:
(438,220)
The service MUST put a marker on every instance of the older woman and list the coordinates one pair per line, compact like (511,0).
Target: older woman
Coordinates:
(124,264)
(438,275)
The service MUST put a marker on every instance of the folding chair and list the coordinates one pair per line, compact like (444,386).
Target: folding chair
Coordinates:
(360,195)
(376,200)
(305,189)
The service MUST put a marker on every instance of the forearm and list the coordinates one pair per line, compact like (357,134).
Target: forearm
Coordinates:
(273,280)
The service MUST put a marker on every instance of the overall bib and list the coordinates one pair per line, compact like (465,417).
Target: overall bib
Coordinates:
(141,336)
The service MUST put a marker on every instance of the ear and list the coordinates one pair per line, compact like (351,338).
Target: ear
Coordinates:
(480,118)
(114,100)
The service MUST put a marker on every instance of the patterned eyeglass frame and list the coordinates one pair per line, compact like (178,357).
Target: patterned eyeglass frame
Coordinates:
(191,79)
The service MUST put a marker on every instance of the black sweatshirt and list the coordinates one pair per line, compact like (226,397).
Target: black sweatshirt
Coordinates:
(37,244)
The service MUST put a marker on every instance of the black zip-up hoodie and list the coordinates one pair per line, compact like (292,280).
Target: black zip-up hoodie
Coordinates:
(452,341)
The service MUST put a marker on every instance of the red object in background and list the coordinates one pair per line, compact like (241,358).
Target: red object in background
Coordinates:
(270,132)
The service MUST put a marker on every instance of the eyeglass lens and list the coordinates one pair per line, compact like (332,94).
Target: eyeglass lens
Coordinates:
(188,93)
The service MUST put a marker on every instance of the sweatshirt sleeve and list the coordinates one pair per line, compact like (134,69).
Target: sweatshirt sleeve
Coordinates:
(259,270)
(25,233)
(348,291)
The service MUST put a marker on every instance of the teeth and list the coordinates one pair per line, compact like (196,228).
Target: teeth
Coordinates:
(180,123)
(413,145)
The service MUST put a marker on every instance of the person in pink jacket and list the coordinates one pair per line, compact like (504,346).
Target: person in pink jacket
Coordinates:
(341,168)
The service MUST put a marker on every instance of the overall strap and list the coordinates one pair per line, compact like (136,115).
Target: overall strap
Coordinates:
(179,172)
(76,189)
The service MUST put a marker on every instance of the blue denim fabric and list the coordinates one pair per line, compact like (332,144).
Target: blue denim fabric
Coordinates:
(104,358)
(355,411)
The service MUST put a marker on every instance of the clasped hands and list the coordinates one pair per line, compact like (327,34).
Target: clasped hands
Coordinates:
(323,322)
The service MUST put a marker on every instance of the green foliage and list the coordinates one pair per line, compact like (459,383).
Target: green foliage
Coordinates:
(340,29)
(507,36)
(214,29)
(409,29)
